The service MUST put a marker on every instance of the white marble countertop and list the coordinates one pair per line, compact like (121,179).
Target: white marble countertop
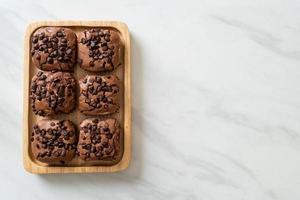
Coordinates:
(216,101)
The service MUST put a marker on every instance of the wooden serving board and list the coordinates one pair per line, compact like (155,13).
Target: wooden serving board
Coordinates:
(123,116)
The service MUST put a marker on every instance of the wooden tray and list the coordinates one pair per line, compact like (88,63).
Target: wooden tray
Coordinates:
(123,116)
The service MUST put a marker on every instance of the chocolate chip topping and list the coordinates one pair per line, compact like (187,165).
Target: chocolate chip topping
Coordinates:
(49,142)
(52,93)
(53,48)
(99,140)
(99,49)
(99,94)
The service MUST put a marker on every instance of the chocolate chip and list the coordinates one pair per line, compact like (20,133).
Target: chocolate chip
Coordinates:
(109,136)
(52,124)
(43,154)
(87,154)
(38,57)
(34,39)
(91,63)
(55,39)
(53,54)
(63,153)
(107,38)
(62,49)
(98,154)
(45,40)
(69,51)
(91,80)
(33,87)
(61,144)
(50,60)
(93,149)
(105,144)
(73,146)
(61,92)
(93,44)
(36,46)
(95,121)
(59,34)
(42,77)
(41,36)
(56,154)
(88,146)
(44,140)
(105,48)
(66,58)
(104,99)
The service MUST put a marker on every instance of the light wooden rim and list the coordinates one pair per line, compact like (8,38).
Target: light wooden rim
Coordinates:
(31,166)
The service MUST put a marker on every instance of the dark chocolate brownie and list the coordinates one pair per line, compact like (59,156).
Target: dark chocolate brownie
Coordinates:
(99,140)
(53,140)
(99,49)
(52,93)
(99,95)
(53,48)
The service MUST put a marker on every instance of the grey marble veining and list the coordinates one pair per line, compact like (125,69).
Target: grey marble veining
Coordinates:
(216,100)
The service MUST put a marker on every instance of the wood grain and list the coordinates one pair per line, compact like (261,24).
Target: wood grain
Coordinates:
(124,115)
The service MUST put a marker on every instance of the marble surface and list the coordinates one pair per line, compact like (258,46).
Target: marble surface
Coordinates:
(216,101)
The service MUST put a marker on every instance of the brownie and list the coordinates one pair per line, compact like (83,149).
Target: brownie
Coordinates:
(52,93)
(53,141)
(99,95)
(99,49)
(99,140)
(53,48)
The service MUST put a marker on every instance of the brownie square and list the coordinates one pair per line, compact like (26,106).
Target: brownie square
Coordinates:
(99,140)
(53,48)
(53,141)
(99,49)
(99,95)
(52,93)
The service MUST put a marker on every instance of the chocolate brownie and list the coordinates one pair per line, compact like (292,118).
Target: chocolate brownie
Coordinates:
(52,93)
(99,49)
(99,140)
(99,95)
(53,140)
(53,48)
